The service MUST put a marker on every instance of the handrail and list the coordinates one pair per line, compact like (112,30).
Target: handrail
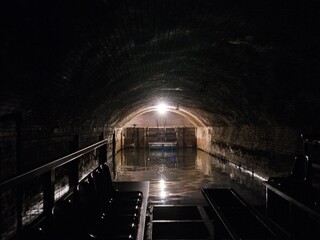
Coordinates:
(311,139)
(47,167)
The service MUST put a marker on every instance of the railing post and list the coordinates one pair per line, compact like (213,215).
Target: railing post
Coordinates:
(48,191)
(18,171)
(184,137)
(114,152)
(73,166)
(102,151)
(121,138)
(19,209)
(144,137)
(138,142)
(304,145)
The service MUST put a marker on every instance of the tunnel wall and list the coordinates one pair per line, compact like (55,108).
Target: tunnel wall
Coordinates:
(39,145)
(185,136)
(8,149)
(266,151)
(119,141)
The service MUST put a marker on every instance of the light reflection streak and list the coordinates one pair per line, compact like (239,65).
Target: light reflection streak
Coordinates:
(162,187)
(248,171)
(60,192)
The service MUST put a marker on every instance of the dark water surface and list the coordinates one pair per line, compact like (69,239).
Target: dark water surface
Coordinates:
(177,176)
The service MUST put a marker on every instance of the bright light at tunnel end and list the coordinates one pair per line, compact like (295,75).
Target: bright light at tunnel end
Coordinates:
(162,108)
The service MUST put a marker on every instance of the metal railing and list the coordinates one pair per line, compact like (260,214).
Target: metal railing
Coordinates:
(49,166)
(47,174)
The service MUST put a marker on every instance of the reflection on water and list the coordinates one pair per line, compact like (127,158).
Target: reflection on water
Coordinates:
(179,174)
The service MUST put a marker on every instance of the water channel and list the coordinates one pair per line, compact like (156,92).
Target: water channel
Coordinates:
(177,176)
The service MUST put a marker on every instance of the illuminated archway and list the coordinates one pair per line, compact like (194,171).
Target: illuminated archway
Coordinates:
(182,112)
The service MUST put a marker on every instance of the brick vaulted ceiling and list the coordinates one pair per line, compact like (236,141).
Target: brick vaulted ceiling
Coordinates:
(227,62)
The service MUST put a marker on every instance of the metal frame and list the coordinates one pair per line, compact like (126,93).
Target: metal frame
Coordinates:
(10,183)
(47,172)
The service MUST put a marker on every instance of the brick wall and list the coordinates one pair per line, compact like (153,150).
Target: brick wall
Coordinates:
(8,145)
(268,151)
(140,137)
(39,145)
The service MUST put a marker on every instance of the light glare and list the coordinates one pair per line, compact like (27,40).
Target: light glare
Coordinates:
(162,108)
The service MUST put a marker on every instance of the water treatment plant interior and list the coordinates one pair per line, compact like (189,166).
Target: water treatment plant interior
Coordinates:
(159,119)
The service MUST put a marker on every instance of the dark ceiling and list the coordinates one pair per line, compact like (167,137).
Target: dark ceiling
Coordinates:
(227,62)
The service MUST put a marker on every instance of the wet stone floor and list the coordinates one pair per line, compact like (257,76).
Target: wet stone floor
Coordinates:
(176,207)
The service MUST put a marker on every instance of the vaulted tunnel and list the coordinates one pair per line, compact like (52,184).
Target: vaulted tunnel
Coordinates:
(247,70)
(245,74)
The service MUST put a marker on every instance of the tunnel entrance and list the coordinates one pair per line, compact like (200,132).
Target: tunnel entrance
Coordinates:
(159,129)
(159,137)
